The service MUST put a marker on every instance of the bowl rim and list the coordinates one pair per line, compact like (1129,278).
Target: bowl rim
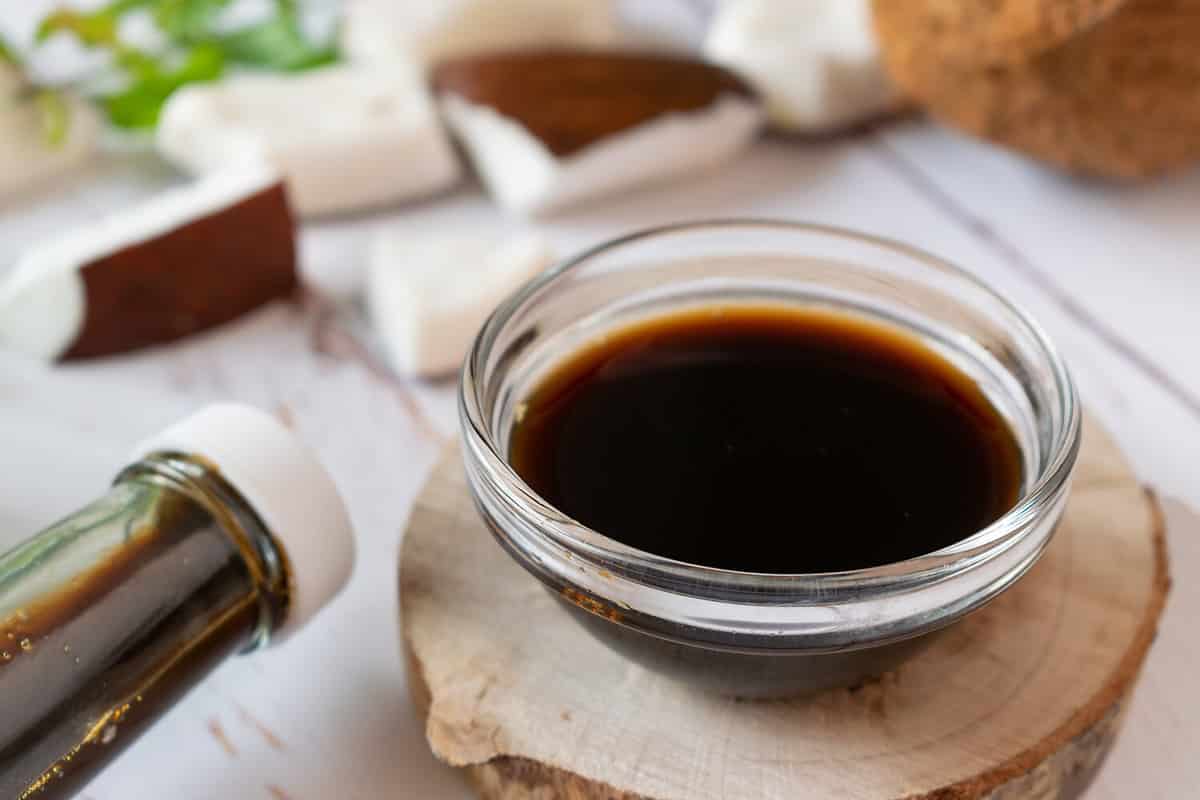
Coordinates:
(1051,481)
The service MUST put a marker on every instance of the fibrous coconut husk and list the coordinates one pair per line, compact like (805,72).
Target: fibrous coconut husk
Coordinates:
(1120,99)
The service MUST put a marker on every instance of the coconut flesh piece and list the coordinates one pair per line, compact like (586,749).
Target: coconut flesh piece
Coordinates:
(427,295)
(816,62)
(550,129)
(527,178)
(344,137)
(186,260)
(26,157)
(430,31)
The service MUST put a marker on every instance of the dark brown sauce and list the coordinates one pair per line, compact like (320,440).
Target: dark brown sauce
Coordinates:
(767,439)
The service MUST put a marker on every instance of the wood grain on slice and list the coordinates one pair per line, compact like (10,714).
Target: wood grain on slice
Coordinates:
(1020,700)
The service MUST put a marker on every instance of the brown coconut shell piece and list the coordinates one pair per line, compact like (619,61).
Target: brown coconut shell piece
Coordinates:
(570,99)
(1121,99)
(199,275)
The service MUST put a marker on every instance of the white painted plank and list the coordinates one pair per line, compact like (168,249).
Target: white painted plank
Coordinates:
(1130,254)
(336,695)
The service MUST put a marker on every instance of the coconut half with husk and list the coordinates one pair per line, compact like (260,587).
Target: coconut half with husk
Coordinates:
(978,32)
(551,128)
(1118,99)
(184,261)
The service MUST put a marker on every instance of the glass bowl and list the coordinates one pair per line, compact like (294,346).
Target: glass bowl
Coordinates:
(752,634)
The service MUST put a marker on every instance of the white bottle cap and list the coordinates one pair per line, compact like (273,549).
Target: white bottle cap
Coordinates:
(287,487)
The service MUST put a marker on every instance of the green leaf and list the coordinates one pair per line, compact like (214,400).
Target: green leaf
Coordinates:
(204,62)
(8,55)
(287,10)
(188,20)
(136,107)
(95,29)
(53,110)
(54,114)
(139,65)
(119,7)
(139,104)
(275,44)
(190,27)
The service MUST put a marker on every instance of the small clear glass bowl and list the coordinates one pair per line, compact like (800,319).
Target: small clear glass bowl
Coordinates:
(752,634)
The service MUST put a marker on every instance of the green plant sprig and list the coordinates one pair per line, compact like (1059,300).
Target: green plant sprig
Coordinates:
(197,49)
(54,112)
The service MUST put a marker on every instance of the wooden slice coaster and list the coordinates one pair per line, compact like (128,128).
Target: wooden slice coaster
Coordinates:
(1020,700)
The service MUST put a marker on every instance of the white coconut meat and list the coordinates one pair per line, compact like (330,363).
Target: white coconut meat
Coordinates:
(43,300)
(429,31)
(345,138)
(428,295)
(26,157)
(525,177)
(816,62)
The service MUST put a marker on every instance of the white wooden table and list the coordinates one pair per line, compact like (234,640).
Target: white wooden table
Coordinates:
(1113,273)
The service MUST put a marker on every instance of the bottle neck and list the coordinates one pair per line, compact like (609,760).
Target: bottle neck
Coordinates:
(266,561)
(110,616)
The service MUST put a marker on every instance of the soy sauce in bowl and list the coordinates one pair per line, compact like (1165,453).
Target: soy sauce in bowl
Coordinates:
(768,439)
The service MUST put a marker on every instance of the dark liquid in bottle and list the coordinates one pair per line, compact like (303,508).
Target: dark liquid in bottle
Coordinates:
(766,439)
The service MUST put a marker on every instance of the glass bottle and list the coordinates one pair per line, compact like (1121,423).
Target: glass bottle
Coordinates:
(223,535)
